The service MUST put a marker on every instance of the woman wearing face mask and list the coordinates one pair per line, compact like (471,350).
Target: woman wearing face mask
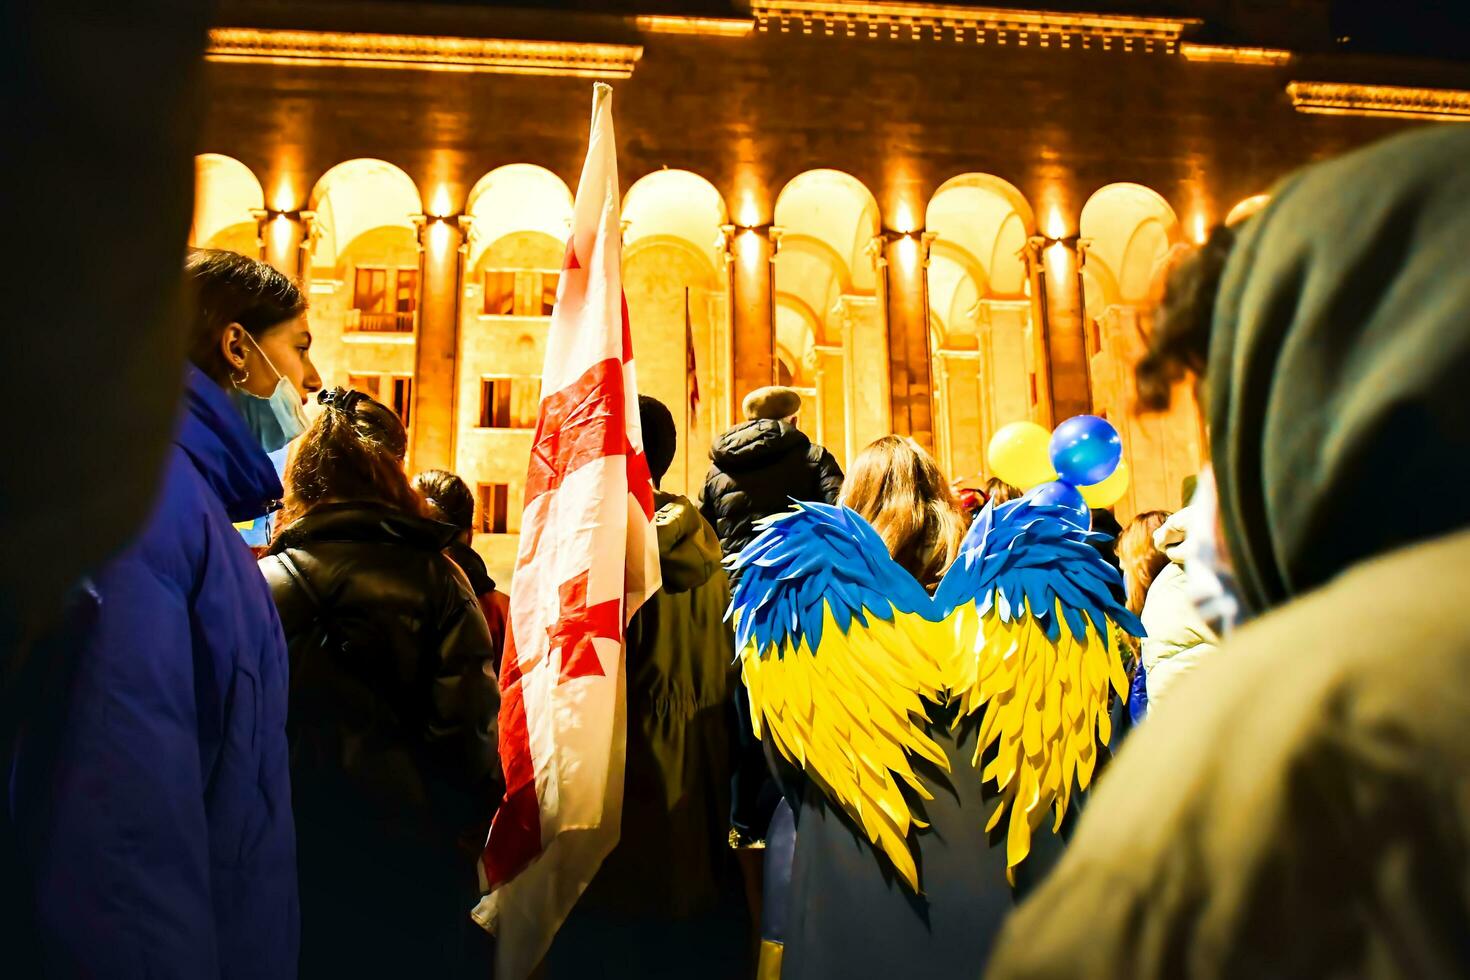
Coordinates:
(1301,809)
(153,794)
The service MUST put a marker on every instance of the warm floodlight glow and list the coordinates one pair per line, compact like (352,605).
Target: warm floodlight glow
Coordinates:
(1056,225)
(281,232)
(1201,228)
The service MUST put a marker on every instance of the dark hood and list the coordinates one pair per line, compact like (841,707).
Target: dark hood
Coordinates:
(688,551)
(758,443)
(1339,425)
(365,522)
(213,435)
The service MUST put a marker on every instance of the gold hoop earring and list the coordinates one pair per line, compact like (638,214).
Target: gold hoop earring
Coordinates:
(244,377)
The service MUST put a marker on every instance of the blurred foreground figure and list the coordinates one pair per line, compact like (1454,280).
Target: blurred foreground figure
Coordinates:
(100,118)
(101,103)
(1301,806)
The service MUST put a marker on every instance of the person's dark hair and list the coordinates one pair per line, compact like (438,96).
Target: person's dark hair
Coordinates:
(998,491)
(1180,342)
(659,435)
(227,288)
(353,452)
(446,498)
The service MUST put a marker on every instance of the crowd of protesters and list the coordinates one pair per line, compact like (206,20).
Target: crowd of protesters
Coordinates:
(265,766)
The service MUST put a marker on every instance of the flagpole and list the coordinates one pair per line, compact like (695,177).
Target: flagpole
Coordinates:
(688,401)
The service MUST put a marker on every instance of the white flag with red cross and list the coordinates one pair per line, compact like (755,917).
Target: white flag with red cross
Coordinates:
(588,559)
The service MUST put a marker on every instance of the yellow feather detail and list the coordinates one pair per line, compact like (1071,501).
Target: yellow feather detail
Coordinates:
(851,713)
(1045,705)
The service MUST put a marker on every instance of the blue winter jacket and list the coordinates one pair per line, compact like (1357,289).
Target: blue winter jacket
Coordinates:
(154,797)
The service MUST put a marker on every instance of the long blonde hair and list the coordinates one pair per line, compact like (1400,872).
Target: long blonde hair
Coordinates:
(897,487)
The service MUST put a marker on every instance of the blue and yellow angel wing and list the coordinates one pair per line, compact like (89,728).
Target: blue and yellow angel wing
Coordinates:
(830,633)
(1033,607)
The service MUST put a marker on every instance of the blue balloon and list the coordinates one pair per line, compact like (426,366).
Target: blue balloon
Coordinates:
(1060,494)
(1085,450)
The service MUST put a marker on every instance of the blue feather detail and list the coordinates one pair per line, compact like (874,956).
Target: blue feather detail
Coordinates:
(1020,558)
(810,560)
(1023,550)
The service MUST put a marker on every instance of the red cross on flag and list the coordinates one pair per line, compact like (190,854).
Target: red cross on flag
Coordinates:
(588,559)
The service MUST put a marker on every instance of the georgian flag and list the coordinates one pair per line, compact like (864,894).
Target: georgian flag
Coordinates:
(588,559)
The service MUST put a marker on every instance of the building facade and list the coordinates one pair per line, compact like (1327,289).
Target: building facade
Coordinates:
(930,219)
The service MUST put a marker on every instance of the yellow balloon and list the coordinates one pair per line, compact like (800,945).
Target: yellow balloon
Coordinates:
(1019,455)
(1108,492)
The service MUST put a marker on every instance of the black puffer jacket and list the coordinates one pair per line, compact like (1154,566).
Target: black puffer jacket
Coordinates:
(391,728)
(757,468)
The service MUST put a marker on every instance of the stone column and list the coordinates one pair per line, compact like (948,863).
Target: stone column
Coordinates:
(911,395)
(1063,327)
(1038,356)
(436,343)
(866,384)
(943,414)
(827,420)
(752,305)
(282,236)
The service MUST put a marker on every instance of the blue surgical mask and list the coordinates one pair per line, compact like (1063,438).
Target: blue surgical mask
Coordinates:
(276,420)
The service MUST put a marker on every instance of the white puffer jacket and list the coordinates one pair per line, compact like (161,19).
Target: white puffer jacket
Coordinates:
(1178,638)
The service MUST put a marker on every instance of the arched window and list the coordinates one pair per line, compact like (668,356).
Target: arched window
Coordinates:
(364,280)
(987,356)
(828,316)
(677,286)
(1128,232)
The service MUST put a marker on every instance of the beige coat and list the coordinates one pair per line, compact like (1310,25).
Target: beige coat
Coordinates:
(1303,809)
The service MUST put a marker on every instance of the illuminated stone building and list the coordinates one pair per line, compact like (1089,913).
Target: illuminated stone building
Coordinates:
(931,219)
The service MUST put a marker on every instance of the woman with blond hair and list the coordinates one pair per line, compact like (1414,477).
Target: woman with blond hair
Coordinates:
(852,911)
(896,486)
(1141,561)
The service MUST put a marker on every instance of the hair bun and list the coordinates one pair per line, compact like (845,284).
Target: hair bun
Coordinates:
(344,400)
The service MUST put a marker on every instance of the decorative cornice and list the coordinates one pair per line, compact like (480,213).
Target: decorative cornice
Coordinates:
(422,53)
(1388,101)
(979,24)
(707,26)
(1229,55)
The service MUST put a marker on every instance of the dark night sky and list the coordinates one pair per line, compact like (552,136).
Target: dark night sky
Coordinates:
(1422,28)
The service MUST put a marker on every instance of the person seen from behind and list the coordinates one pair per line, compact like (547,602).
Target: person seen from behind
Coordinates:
(668,901)
(393,707)
(756,469)
(896,486)
(447,498)
(849,914)
(152,793)
(1300,808)
(998,491)
(759,466)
